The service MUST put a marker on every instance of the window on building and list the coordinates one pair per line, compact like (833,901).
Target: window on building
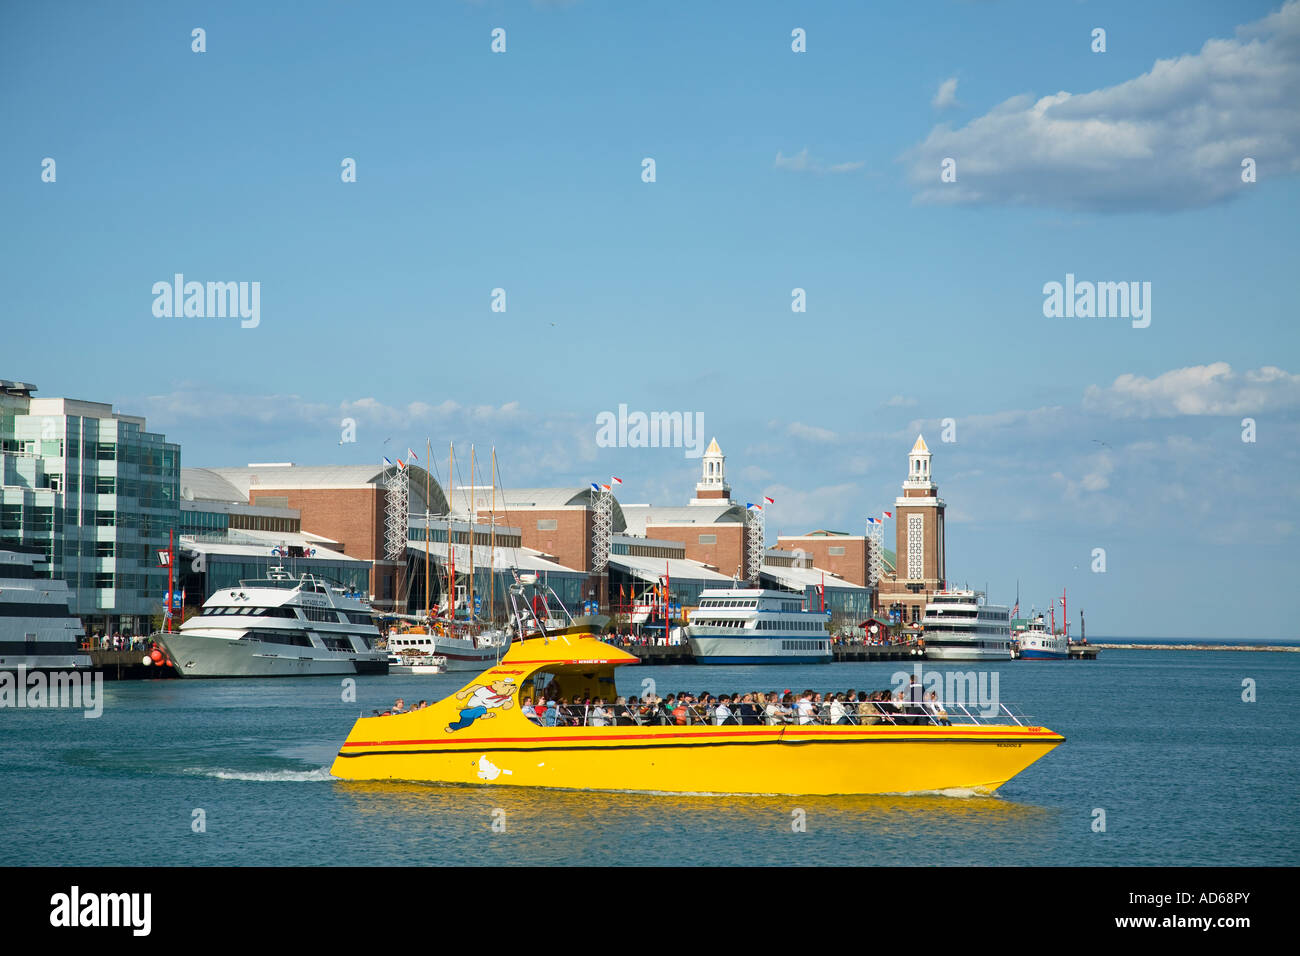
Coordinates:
(708,539)
(547,524)
(105,485)
(835,552)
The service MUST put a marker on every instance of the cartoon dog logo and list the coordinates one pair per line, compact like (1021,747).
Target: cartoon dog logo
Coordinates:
(483,700)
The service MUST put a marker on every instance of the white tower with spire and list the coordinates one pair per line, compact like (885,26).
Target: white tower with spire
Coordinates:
(712,488)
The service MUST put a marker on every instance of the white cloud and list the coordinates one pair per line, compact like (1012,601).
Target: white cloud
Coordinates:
(946,97)
(1172,138)
(809,432)
(801,162)
(798,163)
(1197,390)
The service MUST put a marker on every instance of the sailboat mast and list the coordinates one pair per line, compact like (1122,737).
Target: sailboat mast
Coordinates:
(492,573)
(451,534)
(471,531)
(428,463)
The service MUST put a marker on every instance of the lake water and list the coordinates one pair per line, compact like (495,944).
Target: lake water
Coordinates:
(1186,772)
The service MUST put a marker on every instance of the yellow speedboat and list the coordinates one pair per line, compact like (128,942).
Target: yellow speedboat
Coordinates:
(479,735)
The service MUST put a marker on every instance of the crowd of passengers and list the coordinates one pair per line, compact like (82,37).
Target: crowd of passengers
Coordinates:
(757,708)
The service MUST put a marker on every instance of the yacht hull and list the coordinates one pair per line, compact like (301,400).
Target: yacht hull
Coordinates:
(222,657)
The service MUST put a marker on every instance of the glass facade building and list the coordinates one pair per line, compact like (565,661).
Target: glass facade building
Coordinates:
(98,494)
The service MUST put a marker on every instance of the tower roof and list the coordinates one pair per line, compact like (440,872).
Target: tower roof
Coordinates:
(713,448)
(920,445)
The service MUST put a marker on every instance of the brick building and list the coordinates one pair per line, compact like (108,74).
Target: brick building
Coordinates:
(844,555)
(344,503)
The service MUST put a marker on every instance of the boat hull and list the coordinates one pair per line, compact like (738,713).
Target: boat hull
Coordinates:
(744,760)
(221,657)
(965,654)
(733,649)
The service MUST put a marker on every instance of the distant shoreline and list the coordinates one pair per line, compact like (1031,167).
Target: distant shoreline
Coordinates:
(1289,648)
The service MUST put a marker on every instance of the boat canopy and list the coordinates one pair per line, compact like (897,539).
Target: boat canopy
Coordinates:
(562,665)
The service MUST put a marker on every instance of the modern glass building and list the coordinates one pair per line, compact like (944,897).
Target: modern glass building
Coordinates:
(98,494)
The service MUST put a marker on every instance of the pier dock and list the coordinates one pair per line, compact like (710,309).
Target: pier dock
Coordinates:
(127,665)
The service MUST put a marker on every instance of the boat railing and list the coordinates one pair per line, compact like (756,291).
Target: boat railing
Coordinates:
(892,713)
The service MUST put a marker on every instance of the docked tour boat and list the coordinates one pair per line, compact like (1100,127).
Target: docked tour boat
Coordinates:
(1038,643)
(960,626)
(757,626)
(479,735)
(37,630)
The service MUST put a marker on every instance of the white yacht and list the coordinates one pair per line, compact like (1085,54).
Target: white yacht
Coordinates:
(959,626)
(756,626)
(457,643)
(279,626)
(1038,643)
(37,630)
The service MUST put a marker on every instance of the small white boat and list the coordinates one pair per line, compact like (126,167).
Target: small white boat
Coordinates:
(1038,643)
(416,664)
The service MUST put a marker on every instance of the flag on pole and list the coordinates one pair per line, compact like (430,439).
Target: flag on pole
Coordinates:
(749,505)
(770,501)
(595,487)
(887,514)
(872,521)
(387,463)
(411,455)
(617,480)
(401,465)
(1015,611)
(605,488)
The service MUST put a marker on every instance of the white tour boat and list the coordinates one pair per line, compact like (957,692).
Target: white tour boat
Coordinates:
(1038,643)
(959,626)
(757,626)
(37,630)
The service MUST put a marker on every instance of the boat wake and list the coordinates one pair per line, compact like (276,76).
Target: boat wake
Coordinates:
(268,776)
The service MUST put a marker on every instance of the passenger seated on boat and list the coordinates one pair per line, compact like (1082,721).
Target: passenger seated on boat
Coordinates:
(837,713)
(807,710)
(551,714)
(722,713)
(399,706)
(867,713)
(529,711)
(622,715)
(937,714)
(600,717)
(748,711)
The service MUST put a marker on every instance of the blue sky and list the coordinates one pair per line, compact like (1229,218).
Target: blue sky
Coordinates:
(774,170)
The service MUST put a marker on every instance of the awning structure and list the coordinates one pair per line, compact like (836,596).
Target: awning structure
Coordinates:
(679,569)
(801,579)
